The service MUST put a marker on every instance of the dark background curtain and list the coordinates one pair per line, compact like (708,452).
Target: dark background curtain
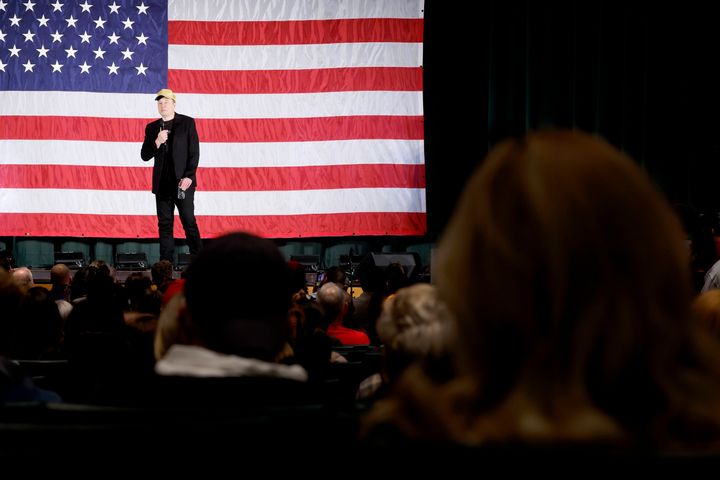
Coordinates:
(637,74)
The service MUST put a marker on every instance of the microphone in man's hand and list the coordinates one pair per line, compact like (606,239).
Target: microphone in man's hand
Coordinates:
(162,127)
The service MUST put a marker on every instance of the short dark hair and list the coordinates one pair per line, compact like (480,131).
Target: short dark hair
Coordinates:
(248,315)
(161,272)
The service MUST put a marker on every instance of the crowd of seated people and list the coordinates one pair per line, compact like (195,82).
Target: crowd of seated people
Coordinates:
(561,313)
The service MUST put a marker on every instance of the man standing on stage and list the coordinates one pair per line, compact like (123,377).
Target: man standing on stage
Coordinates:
(173,141)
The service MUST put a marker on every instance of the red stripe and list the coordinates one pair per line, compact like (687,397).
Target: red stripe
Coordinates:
(311,129)
(296,32)
(28,127)
(217,179)
(397,79)
(76,177)
(272,226)
(218,130)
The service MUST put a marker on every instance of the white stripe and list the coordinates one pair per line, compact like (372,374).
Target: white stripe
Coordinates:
(281,154)
(79,104)
(223,10)
(70,152)
(303,105)
(131,105)
(294,202)
(288,57)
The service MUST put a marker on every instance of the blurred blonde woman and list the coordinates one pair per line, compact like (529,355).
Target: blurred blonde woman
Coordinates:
(568,277)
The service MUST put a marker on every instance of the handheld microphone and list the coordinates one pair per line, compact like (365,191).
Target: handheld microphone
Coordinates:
(162,127)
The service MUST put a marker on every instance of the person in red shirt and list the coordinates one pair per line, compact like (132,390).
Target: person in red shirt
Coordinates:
(334,302)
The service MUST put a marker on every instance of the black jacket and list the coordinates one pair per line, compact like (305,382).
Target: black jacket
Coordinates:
(185,148)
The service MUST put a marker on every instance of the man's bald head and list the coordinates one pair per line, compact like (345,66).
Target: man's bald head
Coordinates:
(60,274)
(22,276)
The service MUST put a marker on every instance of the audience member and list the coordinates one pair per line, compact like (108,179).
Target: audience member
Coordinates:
(10,301)
(5,260)
(61,280)
(225,335)
(712,278)
(16,387)
(414,327)
(567,274)
(39,328)
(162,274)
(333,301)
(706,308)
(23,278)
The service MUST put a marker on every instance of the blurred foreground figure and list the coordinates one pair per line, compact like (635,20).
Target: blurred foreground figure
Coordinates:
(568,279)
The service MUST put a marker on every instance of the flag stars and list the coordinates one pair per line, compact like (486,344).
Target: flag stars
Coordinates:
(28,36)
(45,17)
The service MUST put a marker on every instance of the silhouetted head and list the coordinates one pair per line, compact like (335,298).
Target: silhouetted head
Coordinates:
(238,292)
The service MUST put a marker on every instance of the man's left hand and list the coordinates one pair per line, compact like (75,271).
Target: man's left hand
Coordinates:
(185,183)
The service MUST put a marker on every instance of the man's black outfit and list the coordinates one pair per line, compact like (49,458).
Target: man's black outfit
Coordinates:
(175,159)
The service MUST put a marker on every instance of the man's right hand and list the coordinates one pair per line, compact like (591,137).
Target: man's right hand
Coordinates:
(161,138)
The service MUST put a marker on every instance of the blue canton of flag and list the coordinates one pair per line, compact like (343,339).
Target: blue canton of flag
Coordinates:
(94,46)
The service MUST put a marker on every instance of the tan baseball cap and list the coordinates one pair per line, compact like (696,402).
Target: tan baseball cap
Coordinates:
(167,93)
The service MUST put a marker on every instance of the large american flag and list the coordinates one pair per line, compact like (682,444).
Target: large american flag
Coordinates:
(309,114)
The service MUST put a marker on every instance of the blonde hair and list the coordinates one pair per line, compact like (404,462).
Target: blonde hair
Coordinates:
(568,276)
(706,309)
(415,321)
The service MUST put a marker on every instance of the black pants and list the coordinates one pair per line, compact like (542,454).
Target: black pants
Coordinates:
(165,212)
